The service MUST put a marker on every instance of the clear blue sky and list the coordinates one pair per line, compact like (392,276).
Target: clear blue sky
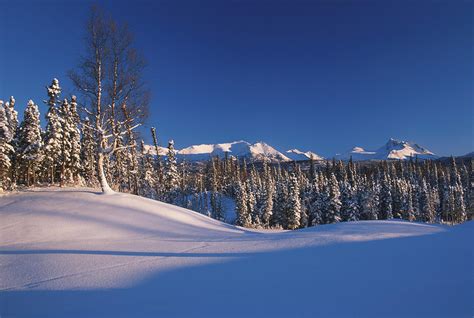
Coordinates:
(314,75)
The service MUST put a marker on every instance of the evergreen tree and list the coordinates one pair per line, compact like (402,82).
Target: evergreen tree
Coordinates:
(53,135)
(293,205)
(12,116)
(369,201)
(12,119)
(217,211)
(458,207)
(172,175)
(88,153)
(268,197)
(66,144)
(5,150)
(315,203)
(349,203)
(385,211)
(252,200)
(279,204)
(243,215)
(426,205)
(30,143)
(407,201)
(158,164)
(331,212)
(147,174)
(75,135)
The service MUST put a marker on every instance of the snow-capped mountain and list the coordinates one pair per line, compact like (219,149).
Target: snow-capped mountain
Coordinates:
(393,149)
(258,151)
(298,155)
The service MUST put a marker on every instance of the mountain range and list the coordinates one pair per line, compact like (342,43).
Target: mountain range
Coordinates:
(260,151)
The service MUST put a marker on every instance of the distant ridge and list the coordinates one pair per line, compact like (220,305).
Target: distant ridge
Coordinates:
(393,149)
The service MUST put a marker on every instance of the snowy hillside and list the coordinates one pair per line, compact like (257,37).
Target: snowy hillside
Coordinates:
(393,149)
(75,253)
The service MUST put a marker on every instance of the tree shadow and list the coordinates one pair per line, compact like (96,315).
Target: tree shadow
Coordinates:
(59,189)
(121,253)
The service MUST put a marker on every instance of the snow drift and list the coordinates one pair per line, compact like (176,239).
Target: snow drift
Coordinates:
(67,253)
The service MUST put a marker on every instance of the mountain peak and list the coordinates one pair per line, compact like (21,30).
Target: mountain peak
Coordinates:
(393,149)
(358,149)
(298,155)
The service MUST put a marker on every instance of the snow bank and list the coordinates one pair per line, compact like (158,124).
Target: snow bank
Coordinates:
(66,253)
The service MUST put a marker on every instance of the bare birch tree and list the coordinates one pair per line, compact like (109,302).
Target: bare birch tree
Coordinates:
(109,75)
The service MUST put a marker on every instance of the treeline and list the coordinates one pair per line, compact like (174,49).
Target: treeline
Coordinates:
(291,198)
(302,195)
(30,155)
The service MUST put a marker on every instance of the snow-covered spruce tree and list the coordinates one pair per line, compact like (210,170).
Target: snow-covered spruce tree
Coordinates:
(294,204)
(53,136)
(88,153)
(466,184)
(333,205)
(74,123)
(303,184)
(314,202)
(132,156)
(459,211)
(280,202)
(12,118)
(385,211)
(349,203)
(442,186)
(306,202)
(252,200)
(449,204)
(5,150)
(243,215)
(171,173)
(397,197)
(217,211)
(147,173)
(406,198)
(66,144)
(29,144)
(369,201)
(426,205)
(416,189)
(158,165)
(268,197)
